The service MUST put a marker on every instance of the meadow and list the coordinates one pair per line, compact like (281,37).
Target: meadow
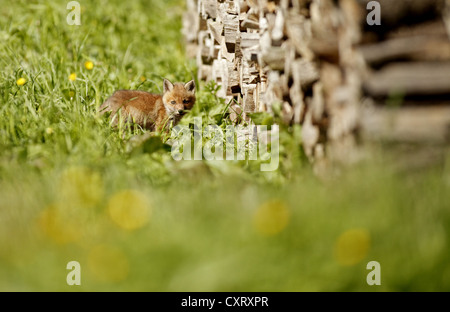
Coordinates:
(72,188)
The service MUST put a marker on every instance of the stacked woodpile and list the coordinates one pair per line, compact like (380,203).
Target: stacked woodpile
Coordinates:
(407,73)
(327,68)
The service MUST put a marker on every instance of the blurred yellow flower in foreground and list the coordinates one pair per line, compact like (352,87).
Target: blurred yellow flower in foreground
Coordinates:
(142,78)
(352,246)
(59,225)
(271,217)
(72,77)
(81,186)
(21,81)
(108,263)
(89,65)
(129,209)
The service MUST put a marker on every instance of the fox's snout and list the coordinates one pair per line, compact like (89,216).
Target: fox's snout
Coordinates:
(177,111)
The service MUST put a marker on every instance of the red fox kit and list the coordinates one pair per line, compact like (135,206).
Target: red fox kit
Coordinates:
(151,111)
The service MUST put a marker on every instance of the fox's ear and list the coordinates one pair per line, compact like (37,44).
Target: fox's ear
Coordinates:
(190,86)
(168,86)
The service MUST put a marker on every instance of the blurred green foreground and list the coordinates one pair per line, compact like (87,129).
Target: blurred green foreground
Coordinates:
(72,188)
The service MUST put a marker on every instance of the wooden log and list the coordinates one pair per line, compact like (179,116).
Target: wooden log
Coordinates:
(417,48)
(205,72)
(276,88)
(427,124)
(410,79)
(220,75)
(274,57)
(233,86)
(431,28)
(310,136)
(446,17)
(277,32)
(190,28)
(249,40)
(216,30)
(299,31)
(287,113)
(317,103)
(251,19)
(249,104)
(420,42)
(204,48)
(208,9)
(305,72)
(324,20)
(230,26)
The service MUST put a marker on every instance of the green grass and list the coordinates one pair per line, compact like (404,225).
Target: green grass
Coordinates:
(197,225)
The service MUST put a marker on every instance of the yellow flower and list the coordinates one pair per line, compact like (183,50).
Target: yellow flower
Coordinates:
(81,186)
(49,130)
(72,77)
(129,209)
(271,217)
(143,78)
(21,81)
(352,246)
(60,223)
(89,65)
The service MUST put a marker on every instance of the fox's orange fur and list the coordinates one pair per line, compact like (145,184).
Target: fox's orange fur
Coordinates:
(151,111)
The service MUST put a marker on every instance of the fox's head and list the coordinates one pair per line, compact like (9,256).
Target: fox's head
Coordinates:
(178,98)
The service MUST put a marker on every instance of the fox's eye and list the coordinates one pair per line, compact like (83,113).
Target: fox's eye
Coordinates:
(173,102)
(185,101)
